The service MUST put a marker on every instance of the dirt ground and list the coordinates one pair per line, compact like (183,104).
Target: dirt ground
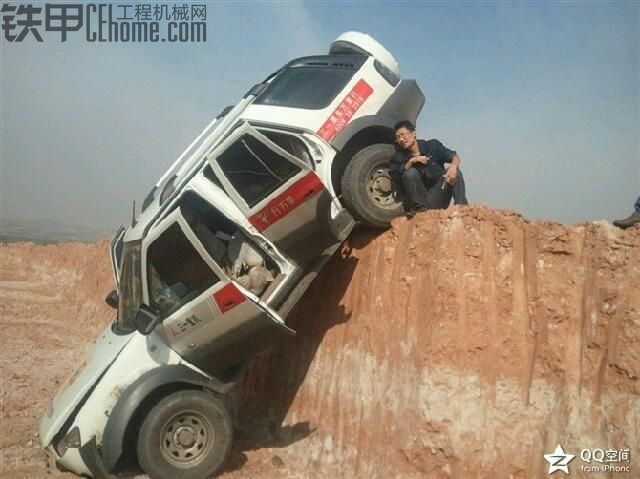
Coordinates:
(461,343)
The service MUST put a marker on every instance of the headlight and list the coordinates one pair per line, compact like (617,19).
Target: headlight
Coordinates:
(70,441)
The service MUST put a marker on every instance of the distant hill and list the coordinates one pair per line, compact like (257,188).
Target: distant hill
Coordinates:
(47,231)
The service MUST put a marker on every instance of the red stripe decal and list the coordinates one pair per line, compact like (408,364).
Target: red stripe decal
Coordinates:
(345,110)
(228,297)
(286,202)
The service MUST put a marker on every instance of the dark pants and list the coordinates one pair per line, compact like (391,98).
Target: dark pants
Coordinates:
(437,196)
(636,207)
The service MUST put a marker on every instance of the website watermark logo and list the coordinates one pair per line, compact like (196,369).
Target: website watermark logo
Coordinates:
(593,460)
(558,460)
(606,460)
(105,22)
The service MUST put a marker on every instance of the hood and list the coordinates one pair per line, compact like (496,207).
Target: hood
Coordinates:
(89,371)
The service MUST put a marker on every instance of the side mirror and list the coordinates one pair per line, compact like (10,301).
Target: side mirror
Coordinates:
(112,299)
(146,320)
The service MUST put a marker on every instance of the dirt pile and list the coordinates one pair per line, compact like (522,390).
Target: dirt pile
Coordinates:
(462,343)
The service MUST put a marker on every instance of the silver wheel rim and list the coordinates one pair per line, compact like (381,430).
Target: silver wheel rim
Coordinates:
(380,189)
(186,439)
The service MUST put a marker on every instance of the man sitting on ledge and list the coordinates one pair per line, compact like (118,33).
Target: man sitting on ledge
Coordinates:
(418,166)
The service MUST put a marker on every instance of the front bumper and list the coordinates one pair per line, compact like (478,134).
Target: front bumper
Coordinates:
(86,461)
(93,460)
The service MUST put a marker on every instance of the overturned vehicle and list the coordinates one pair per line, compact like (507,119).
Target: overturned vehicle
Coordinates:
(226,243)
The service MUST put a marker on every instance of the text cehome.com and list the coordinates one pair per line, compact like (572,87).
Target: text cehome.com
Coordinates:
(109,29)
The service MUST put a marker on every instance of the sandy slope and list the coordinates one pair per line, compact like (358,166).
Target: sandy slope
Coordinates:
(51,309)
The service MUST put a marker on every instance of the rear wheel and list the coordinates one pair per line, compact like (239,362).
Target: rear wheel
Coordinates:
(188,434)
(367,189)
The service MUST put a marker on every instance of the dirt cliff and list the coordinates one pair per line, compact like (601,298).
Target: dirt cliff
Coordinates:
(464,343)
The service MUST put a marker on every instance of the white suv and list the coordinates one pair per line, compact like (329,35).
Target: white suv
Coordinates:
(227,242)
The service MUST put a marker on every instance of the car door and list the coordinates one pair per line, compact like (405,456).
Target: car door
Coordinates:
(209,320)
(280,194)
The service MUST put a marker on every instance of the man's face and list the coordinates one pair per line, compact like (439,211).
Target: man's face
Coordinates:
(405,138)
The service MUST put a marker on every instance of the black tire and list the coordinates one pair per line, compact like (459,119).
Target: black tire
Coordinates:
(363,182)
(186,435)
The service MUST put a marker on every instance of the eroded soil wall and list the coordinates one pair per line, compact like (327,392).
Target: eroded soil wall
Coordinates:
(462,343)
(459,344)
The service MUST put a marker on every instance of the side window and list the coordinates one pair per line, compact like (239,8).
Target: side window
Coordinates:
(291,144)
(240,258)
(211,176)
(177,273)
(254,170)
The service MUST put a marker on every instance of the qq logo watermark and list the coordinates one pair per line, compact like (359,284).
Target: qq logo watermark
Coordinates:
(594,460)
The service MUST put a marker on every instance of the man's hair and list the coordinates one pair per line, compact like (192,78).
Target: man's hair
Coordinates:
(404,124)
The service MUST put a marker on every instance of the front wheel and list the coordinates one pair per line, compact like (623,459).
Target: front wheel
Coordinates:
(188,434)
(367,189)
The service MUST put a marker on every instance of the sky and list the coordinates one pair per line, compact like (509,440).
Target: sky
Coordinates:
(540,99)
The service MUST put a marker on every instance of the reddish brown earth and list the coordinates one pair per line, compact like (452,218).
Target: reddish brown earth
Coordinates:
(463,343)
(51,309)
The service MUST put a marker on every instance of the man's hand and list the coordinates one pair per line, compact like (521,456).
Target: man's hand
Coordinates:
(416,159)
(451,174)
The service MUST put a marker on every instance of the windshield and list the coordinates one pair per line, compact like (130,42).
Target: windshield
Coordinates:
(130,290)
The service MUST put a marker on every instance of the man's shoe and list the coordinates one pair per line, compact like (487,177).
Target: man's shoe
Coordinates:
(412,212)
(630,221)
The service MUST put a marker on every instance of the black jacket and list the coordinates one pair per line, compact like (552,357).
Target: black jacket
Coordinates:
(437,153)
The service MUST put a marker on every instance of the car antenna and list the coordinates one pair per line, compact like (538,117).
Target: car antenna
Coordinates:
(133,219)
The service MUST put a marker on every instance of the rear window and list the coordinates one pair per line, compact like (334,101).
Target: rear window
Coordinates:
(310,88)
